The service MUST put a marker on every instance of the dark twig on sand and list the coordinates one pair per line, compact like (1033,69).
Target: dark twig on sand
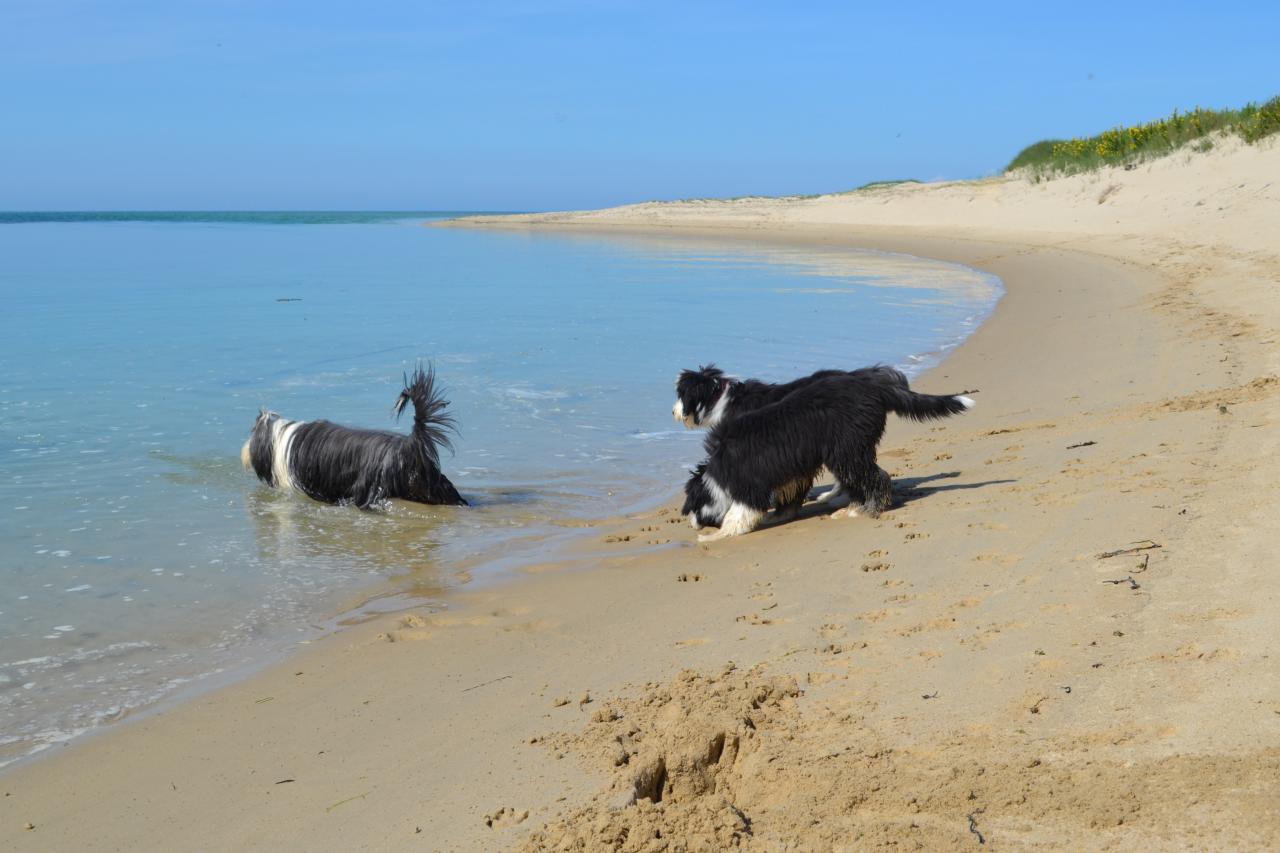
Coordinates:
(973,825)
(486,683)
(347,800)
(1133,584)
(1081,444)
(1140,545)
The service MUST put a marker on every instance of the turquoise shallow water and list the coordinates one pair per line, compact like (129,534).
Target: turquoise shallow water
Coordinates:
(137,558)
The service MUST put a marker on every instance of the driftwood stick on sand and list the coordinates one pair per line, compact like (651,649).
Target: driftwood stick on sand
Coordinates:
(485,683)
(1140,545)
(1133,584)
(973,825)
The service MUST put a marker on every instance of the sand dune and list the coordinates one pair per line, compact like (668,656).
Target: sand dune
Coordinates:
(1060,639)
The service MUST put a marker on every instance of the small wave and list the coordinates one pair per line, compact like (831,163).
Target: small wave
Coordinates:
(664,435)
(531,394)
(48,663)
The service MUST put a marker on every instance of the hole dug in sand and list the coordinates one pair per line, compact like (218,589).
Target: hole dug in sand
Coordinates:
(679,753)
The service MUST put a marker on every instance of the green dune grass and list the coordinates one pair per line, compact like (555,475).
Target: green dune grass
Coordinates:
(1123,145)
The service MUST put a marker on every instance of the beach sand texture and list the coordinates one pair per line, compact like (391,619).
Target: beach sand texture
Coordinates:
(971,668)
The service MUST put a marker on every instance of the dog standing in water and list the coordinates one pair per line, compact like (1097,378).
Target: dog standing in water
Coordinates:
(340,465)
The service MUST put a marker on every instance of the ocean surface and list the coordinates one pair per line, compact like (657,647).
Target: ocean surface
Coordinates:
(138,561)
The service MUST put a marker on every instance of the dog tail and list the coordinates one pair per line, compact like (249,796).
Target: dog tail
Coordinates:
(431,425)
(923,407)
(883,374)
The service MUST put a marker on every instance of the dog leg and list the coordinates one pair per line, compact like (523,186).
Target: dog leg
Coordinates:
(880,495)
(789,499)
(833,494)
(783,514)
(853,497)
(738,520)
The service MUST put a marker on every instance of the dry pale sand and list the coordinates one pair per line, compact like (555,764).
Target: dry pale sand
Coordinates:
(967,670)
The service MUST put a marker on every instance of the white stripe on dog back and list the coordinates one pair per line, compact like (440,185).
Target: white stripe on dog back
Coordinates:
(282,433)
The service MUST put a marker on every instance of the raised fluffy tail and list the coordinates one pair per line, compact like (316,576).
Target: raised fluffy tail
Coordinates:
(882,374)
(431,426)
(922,407)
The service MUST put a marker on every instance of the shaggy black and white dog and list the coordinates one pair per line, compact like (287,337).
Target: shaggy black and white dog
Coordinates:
(338,464)
(775,451)
(705,508)
(706,396)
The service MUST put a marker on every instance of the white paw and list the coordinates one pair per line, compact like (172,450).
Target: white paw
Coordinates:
(836,496)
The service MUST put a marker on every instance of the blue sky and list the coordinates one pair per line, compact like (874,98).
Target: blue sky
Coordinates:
(529,106)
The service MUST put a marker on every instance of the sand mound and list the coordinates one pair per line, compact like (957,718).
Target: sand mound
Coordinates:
(682,754)
(739,760)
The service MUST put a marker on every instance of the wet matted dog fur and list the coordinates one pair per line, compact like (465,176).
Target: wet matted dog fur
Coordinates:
(338,464)
(777,450)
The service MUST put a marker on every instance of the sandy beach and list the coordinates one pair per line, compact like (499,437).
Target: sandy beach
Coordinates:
(1061,638)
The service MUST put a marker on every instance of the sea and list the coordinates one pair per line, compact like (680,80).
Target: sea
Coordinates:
(139,562)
